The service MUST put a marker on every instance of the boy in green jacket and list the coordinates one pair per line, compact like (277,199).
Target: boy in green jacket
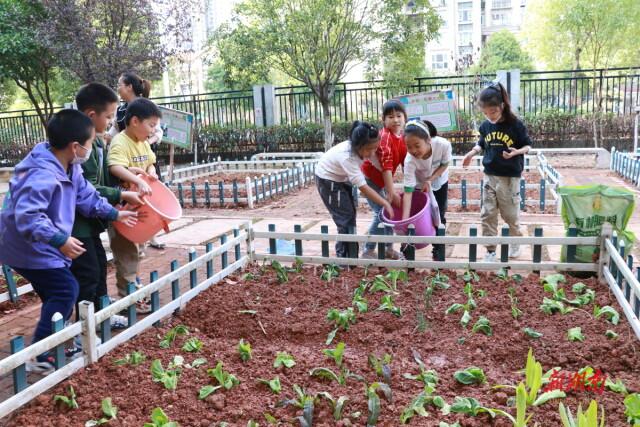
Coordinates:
(99,102)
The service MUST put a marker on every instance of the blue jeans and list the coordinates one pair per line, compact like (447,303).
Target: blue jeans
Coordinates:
(376,208)
(58,290)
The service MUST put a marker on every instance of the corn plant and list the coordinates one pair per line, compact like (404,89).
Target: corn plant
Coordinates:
(69,401)
(589,418)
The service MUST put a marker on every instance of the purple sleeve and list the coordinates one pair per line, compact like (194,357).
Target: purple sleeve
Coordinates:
(88,201)
(31,202)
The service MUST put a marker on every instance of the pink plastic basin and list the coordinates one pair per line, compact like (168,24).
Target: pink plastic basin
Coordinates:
(419,216)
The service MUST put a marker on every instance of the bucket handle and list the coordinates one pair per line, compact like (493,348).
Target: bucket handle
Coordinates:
(382,219)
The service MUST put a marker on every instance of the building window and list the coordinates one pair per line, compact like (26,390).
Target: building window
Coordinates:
(465,50)
(500,4)
(439,61)
(465,34)
(464,11)
(500,18)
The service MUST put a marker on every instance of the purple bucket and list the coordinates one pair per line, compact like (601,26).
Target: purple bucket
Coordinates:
(420,217)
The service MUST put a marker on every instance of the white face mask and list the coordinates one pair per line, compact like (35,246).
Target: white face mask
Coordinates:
(80,160)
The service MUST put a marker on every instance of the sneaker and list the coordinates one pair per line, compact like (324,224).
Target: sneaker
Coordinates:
(119,322)
(490,257)
(43,365)
(369,254)
(73,352)
(514,251)
(393,254)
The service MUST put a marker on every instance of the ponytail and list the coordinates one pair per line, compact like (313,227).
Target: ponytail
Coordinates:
(141,87)
(496,95)
(361,134)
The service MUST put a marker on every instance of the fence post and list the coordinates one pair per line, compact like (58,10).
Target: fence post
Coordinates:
(209,248)
(180,195)
(298,243)
(249,188)
(105,325)
(612,265)
(410,251)
(155,296)
(221,193)
(207,194)
(572,249)
(324,229)
(272,241)
(11,284)
(88,319)
(627,289)
(238,255)
(131,310)
(57,323)
(353,247)
(619,275)
(612,159)
(523,194)
(603,259)
(440,248)
(473,248)
(537,249)
(463,190)
(19,374)
(224,259)
(504,248)
(235,192)
(194,200)
(193,273)
(542,194)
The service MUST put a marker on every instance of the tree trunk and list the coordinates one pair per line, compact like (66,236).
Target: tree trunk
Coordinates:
(326,118)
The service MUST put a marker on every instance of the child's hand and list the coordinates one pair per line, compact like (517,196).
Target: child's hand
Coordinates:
(510,154)
(128,218)
(143,188)
(389,209)
(426,187)
(152,174)
(132,198)
(395,200)
(467,159)
(136,171)
(72,248)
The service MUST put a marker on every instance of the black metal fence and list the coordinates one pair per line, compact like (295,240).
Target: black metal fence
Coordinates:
(568,91)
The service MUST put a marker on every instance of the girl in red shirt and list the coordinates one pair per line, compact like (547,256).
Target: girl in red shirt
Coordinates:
(380,169)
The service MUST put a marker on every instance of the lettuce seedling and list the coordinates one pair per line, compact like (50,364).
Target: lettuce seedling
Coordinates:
(379,284)
(575,334)
(470,276)
(274,384)
(335,353)
(470,406)
(608,313)
(550,306)
(386,304)
(168,377)
(133,359)
(382,366)
(171,335)
(224,378)
(337,405)
(207,390)
(617,387)
(611,334)
(470,375)
(192,345)
(439,281)
(160,419)
(244,349)
(394,275)
(532,333)
(302,401)
(330,272)
(284,359)
(417,406)
(586,419)
(553,280)
(108,409)
(482,325)
(281,272)
(360,303)
(69,401)
(632,409)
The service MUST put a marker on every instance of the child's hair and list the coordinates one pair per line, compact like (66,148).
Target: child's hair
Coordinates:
(141,87)
(393,106)
(95,96)
(419,128)
(67,126)
(361,134)
(142,109)
(495,95)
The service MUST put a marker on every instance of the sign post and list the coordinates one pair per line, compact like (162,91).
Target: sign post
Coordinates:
(438,106)
(177,127)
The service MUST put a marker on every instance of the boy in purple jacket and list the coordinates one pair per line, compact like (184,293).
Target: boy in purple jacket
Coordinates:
(36,223)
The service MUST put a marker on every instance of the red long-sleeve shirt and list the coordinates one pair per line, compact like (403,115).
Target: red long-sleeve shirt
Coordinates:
(390,153)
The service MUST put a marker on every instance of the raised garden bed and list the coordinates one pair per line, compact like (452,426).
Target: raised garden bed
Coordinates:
(286,311)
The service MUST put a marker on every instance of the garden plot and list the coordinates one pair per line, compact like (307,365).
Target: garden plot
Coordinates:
(333,347)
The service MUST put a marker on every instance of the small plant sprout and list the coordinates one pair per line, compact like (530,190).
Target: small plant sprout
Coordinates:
(439,281)
(515,311)
(532,333)
(608,313)
(550,306)
(281,272)
(224,378)
(470,375)
(482,325)
(632,409)
(379,284)
(381,366)
(394,275)
(207,390)
(337,405)
(274,384)
(284,359)
(329,273)
(108,409)
(171,335)
(302,401)
(360,303)
(69,401)
(429,378)
(417,406)
(160,419)
(611,334)
(328,374)
(335,353)
(192,345)
(373,401)
(168,377)
(470,406)
(584,419)
(617,387)
(133,359)
(342,319)
(386,304)
(469,276)
(575,334)
(244,350)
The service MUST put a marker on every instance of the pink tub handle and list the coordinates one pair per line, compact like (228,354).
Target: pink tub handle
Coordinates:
(165,227)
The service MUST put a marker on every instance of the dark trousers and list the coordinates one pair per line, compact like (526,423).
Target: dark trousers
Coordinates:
(58,290)
(90,269)
(442,199)
(338,198)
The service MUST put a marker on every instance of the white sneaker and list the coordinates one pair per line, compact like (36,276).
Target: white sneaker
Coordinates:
(119,322)
(489,257)
(514,251)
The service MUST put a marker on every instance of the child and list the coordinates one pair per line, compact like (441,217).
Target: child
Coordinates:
(129,156)
(35,227)
(99,103)
(339,170)
(379,171)
(426,166)
(504,141)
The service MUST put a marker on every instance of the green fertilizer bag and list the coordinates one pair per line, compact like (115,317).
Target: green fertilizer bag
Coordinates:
(589,207)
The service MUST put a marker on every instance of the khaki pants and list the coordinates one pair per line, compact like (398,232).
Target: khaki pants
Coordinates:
(126,260)
(501,194)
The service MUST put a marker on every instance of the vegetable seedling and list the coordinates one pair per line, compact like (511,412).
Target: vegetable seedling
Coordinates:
(244,349)
(337,405)
(382,366)
(386,304)
(207,390)
(133,359)
(160,419)
(108,409)
(224,378)
(69,401)
(482,325)
(281,272)
(373,401)
(302,401)
(611,334)
(274,384)
(617,387)
(515,311)
(575,334)
(417,406)
(360,303)
(284,359)
(532,333)
(335,353)
(379,284)
(608,313)
(394,275)
(342,319)
(632,409)
(171,335)
(192,345)
(470,375)
(329,273)
(584,419)
(168,377)
(439,281)
(470,406)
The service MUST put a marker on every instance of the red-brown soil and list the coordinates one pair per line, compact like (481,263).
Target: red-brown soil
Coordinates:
(291,317)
